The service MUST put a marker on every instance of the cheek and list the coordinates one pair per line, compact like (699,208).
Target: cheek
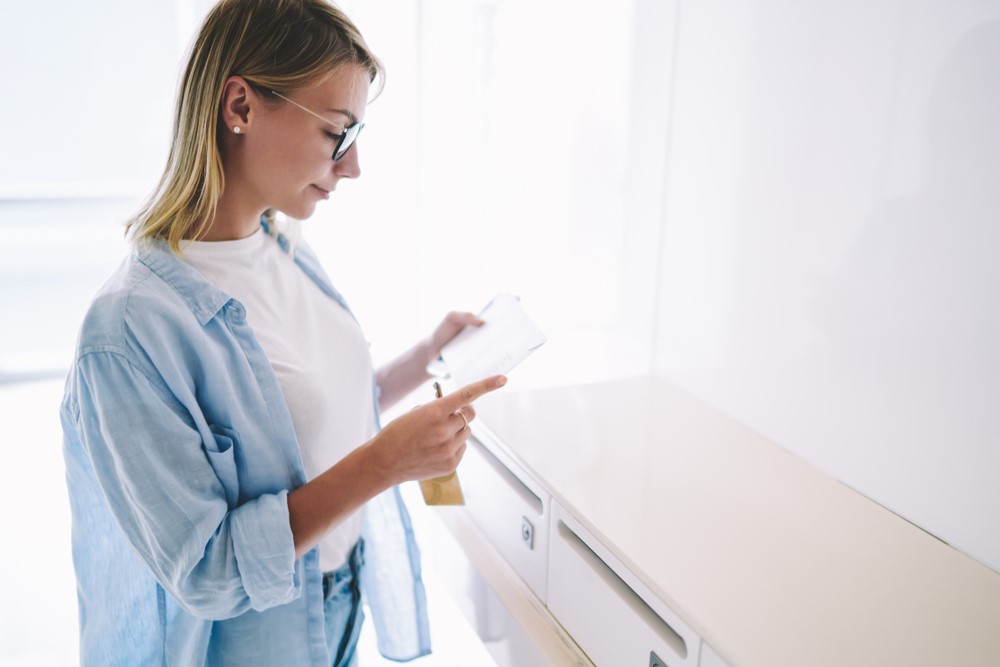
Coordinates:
(290,161)
(307,159)
(289,169)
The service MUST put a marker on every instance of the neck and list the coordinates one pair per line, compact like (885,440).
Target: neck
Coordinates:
(234,218)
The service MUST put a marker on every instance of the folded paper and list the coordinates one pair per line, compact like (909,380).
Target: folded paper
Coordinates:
(505,340)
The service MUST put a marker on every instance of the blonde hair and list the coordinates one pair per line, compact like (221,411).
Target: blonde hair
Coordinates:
(280,45)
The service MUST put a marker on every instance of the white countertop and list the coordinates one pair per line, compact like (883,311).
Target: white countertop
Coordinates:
(771,561)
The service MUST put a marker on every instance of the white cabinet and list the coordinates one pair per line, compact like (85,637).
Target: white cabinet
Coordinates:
(574,581)
(671,524)
(614,618)
(514,626)
(510,507)
(709,658)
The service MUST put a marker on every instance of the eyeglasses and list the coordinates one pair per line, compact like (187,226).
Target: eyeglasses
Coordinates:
(347,135)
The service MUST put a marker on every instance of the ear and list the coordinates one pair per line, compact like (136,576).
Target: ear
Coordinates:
(238,103)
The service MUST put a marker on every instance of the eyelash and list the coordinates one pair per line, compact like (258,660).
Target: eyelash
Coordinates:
(331,136)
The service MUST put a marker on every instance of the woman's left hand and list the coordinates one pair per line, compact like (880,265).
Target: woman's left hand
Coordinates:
(450,326)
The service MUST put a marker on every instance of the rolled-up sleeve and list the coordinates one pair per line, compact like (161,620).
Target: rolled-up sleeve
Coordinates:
(170,490)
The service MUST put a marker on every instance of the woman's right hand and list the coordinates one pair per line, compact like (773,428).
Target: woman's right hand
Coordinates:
(429,440)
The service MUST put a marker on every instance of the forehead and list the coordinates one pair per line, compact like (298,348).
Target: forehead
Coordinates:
(345,89)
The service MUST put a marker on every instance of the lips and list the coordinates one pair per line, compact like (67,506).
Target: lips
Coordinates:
(324,193)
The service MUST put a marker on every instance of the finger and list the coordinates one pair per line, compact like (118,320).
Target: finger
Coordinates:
(465,319)
(470,392)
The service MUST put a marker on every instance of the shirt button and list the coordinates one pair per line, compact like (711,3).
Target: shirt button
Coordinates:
(238,312)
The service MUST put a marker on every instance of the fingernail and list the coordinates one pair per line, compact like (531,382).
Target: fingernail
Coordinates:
(501,381)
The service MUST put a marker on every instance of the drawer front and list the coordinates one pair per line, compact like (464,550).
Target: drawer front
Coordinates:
(613,617)
(709,658)
(510,508)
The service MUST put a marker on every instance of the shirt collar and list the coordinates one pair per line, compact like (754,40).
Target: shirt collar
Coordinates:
(203,298)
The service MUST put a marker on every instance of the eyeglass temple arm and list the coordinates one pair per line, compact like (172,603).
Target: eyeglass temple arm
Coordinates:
(310,112)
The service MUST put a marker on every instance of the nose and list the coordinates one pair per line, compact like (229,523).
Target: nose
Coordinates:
(348,166)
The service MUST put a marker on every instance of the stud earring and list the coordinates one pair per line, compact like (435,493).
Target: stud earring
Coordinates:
(236,129)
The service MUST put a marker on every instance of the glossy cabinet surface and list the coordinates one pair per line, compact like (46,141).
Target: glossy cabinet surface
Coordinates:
(758,553)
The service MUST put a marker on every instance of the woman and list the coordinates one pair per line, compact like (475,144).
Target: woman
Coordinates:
(221,417)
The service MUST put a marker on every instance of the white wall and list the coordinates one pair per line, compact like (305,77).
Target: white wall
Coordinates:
(84,131)
(830,238)
(88,96)
(541,161)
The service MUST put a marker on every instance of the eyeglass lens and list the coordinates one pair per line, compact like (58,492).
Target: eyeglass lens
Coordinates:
(347,140)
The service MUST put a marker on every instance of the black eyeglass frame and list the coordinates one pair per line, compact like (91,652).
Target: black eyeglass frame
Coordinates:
(348,134)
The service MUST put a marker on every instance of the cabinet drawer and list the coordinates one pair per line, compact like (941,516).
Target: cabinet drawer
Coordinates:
(613,617)
(510,508)
(709,658)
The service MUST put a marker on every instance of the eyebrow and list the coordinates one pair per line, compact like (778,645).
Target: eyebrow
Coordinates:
(350,116)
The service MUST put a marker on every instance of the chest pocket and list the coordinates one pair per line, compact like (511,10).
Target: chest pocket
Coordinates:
(222,455)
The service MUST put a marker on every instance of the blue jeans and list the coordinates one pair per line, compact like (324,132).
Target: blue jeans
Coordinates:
(342,607)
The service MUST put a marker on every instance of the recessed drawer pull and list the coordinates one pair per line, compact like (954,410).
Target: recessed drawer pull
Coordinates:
(515,483)
(511,509)
(635,603)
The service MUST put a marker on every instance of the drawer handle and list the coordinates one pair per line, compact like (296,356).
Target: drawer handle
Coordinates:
(512,480)
(638,606)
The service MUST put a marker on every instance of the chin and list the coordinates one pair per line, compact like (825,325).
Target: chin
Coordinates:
(300,211)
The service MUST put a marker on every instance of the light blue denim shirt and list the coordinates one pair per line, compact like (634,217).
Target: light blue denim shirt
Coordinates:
(180,454)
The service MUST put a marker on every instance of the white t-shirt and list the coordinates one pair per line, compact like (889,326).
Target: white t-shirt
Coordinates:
(316,348)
